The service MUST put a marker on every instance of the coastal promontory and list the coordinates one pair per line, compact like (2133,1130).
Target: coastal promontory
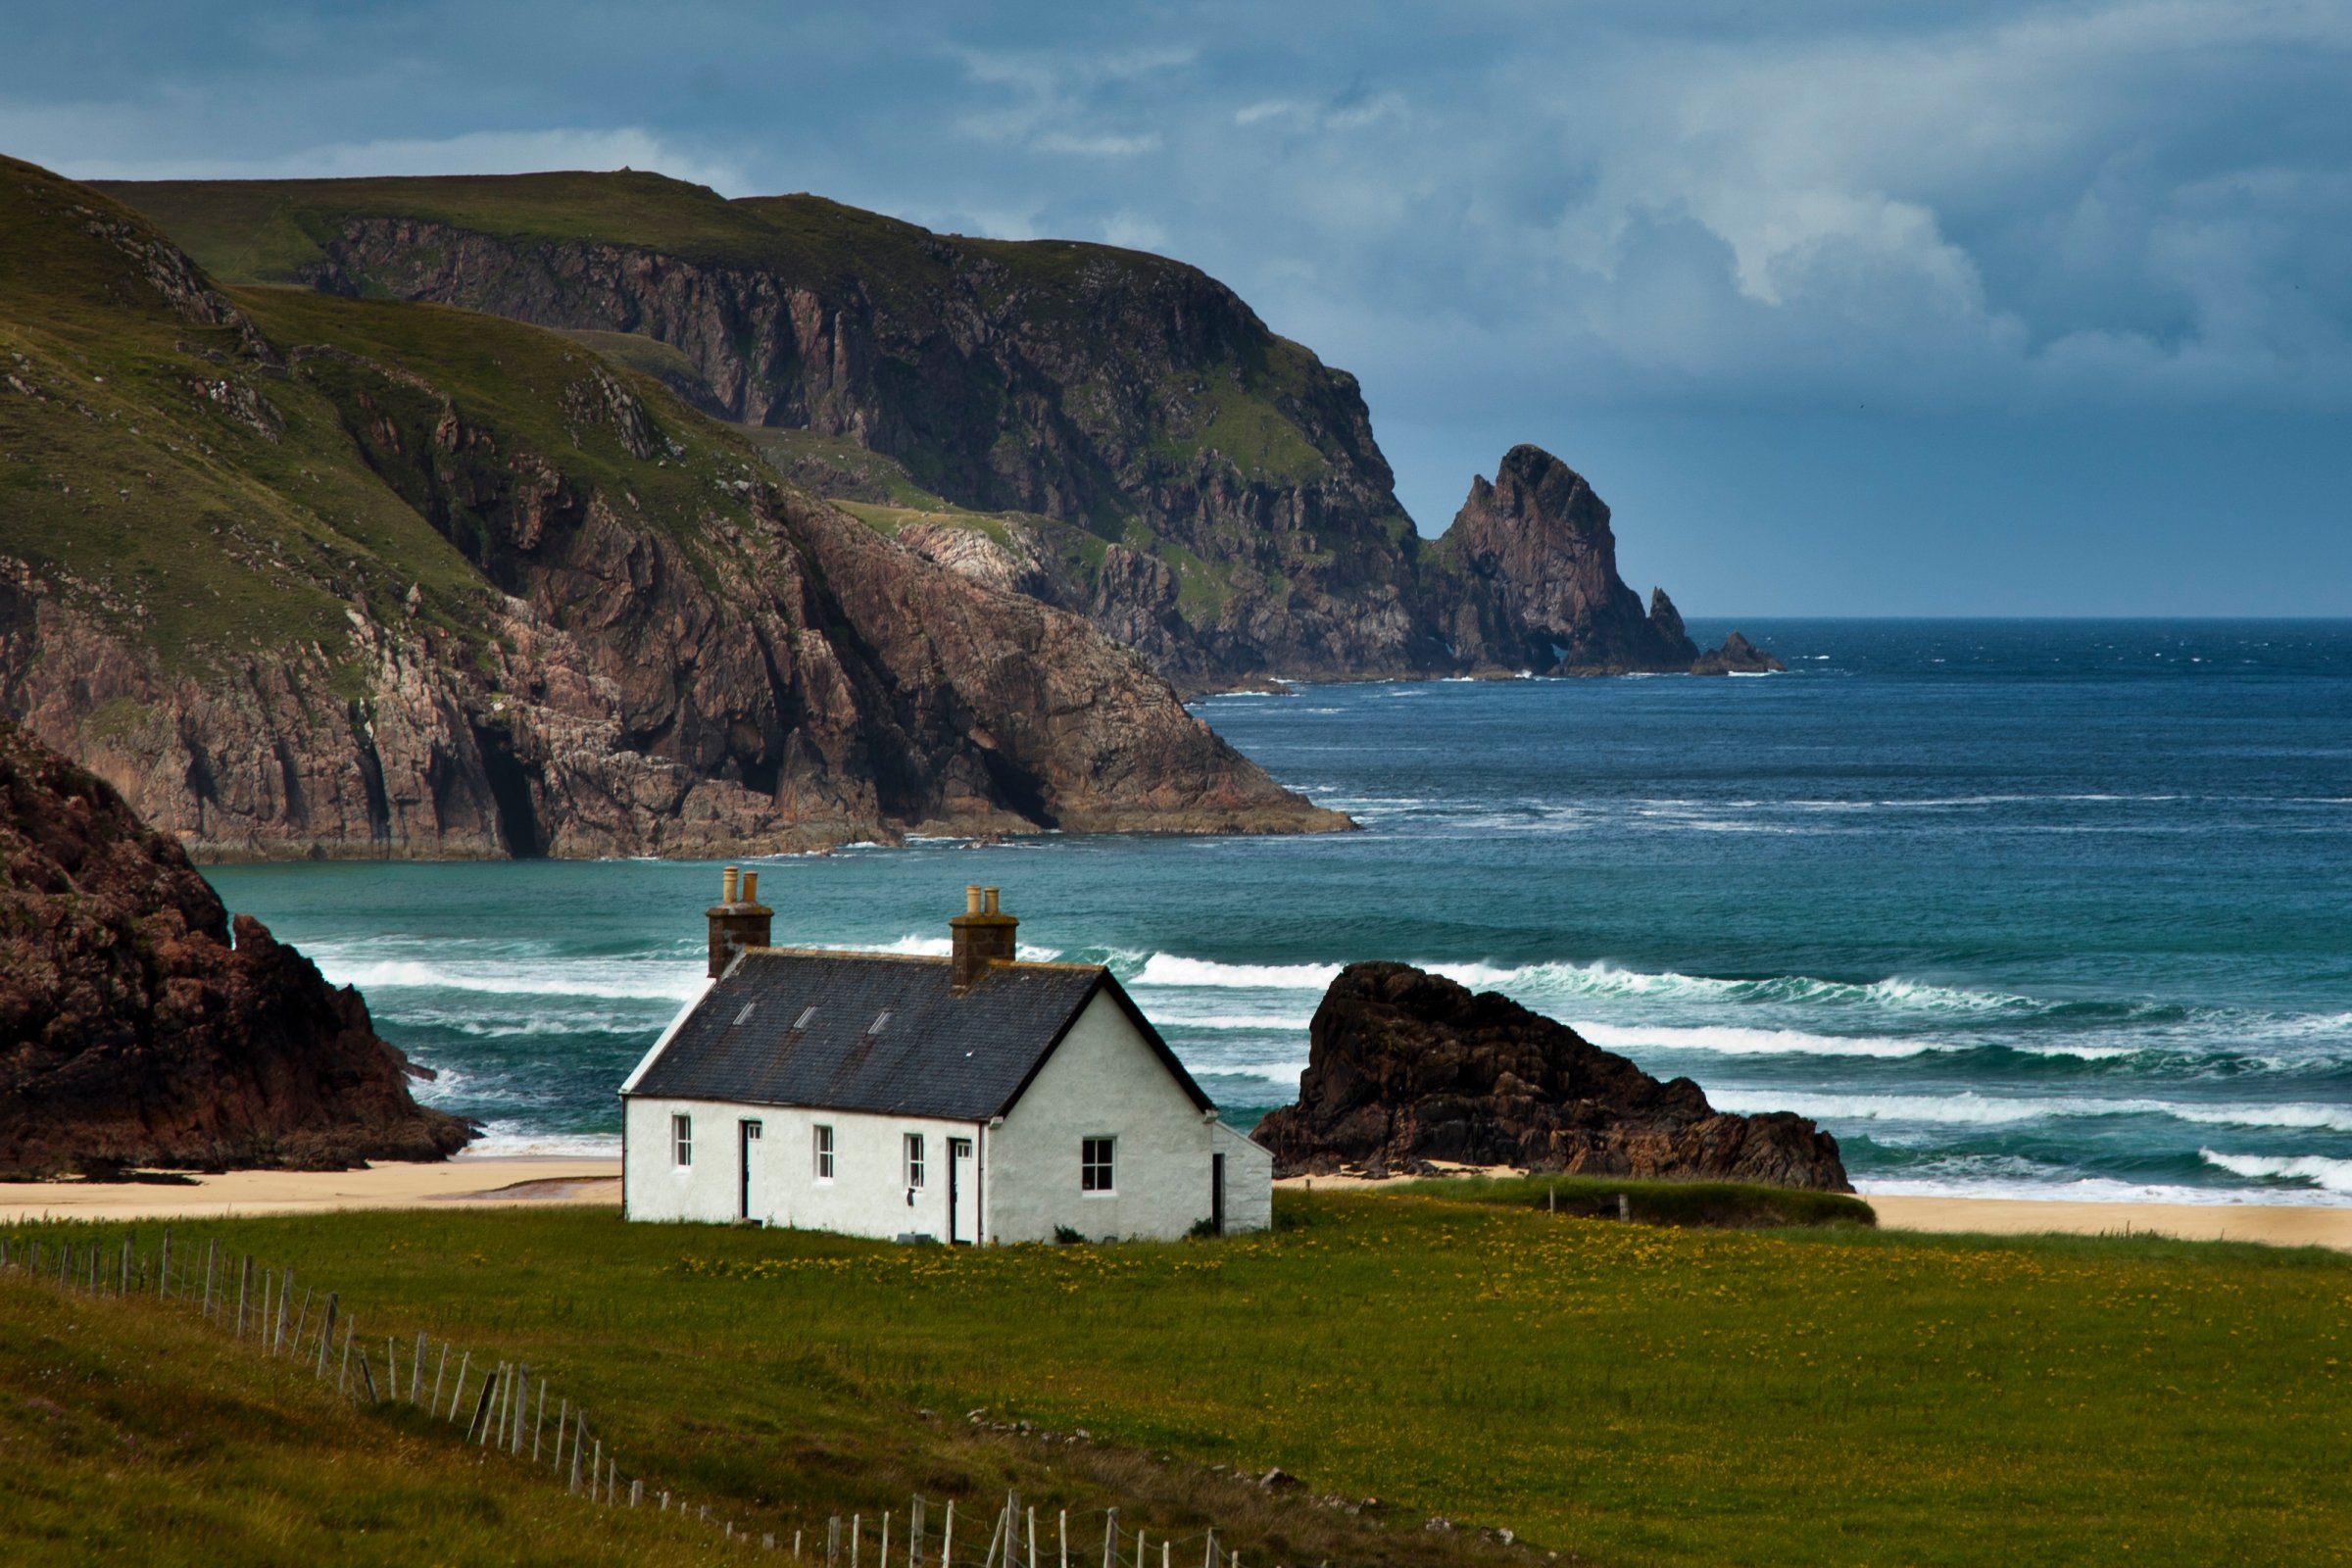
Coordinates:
(1114,433)
(311,577)
(1407,1070)
(141,1026)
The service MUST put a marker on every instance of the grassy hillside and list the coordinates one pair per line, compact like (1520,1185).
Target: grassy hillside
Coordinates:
(1102,382)
(209,500)
(130,1431)
(1622,1393)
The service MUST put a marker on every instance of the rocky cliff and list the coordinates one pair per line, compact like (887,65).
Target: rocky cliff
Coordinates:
(1406,1067)
(140,1026)
(1131,434)
(311,577)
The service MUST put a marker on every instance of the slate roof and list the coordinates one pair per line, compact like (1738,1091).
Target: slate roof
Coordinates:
(872,1032)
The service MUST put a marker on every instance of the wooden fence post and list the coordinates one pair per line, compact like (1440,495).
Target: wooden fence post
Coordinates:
(562,1424)
(946,1542)
(212,1247)
(539,1424)
(1032,1525)
(1110,1536)
(833,1541)
(369,1378)
(914,1532)
(244,1284)
(882,1556)
(126,1290)
(579,1435)
(439,1368)
(343,1377)
(163,1268)
(1065,1533)
(417,1369)
(326,1331)
(856,1529)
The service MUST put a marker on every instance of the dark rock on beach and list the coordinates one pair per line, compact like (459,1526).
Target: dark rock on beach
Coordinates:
(1407,1068)
(140,1027)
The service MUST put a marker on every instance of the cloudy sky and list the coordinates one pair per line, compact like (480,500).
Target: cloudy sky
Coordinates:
(1846,306)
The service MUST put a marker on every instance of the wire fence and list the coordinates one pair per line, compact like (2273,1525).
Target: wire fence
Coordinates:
(506,1411)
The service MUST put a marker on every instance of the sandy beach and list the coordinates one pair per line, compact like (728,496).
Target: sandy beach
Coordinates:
(520,1180)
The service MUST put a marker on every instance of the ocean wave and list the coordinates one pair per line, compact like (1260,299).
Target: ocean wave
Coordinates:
(610,980)
(2329,1175)
(1168,969)
(1969,1108)
(1732,1040)
(507,1139)
(1173,1018)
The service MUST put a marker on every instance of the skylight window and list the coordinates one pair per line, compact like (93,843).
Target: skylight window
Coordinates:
(802,1021)
(880,1019)
(745,1016)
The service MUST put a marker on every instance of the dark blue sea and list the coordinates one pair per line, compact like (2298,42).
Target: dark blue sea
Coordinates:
(2013,908)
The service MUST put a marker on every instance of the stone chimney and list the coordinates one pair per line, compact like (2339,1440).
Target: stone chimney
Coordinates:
(980,935)
(738,920)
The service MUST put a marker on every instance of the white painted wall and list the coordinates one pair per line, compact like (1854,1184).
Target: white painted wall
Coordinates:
(1104,1081)
(1249,1181)
(867,1195)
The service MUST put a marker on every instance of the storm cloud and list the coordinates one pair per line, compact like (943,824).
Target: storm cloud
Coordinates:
(2040,230)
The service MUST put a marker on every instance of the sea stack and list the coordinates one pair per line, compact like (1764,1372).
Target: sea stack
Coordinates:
(139,1026)
(1406,1068)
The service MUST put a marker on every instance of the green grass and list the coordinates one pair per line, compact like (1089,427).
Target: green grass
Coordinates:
(1630,1393)
(130,1431)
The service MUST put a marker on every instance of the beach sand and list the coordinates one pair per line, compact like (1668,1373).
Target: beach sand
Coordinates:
(552,1179)
(518,1179)
(2280,1224)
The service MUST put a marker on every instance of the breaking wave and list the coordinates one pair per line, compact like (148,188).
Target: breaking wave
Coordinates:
(2329,1175)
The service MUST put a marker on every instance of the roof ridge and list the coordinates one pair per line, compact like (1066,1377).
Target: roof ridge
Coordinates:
(916,958)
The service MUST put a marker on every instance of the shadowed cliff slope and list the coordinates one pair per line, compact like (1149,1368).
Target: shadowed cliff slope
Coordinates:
(310,576)
(1112,432)
(132,1032)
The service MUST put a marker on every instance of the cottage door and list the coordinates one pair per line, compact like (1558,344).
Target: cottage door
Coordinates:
(747,1139)
(1216,1193)
(963,1196)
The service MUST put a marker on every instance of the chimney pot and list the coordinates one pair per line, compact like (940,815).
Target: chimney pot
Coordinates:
(981,936)
(738,920)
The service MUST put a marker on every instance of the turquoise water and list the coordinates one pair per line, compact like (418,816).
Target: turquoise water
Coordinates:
(2012,907)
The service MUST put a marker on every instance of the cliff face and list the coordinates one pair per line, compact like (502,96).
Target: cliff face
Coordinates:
(307,577)
(1406,1067)
(1203,490)
(138,1027)
(1533,581)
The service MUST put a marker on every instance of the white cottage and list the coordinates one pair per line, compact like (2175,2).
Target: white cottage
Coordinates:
(968,1098)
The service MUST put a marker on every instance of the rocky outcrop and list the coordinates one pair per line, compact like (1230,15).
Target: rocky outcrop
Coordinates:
(1736,656)
(1227,511)
(1405,1068)
(496,597)
(1527,580)
(139,1026)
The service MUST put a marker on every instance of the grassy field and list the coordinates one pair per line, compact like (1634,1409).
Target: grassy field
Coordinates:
(1622,1394)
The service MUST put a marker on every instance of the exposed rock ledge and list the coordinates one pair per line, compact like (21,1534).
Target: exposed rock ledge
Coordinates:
(133,1033)
(1405,1068)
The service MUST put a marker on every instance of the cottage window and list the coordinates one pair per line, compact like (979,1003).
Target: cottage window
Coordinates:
(915,1159)
(824,1154)
(1095,1165)
(681,1138)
